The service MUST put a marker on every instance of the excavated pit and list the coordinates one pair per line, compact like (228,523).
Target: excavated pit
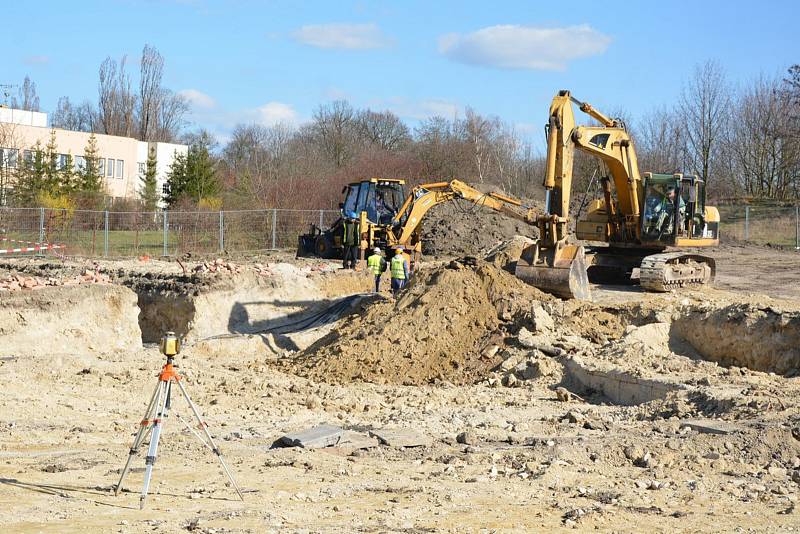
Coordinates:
(242,303)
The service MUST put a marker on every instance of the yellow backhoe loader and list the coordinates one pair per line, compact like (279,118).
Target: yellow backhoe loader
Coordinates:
(636,220)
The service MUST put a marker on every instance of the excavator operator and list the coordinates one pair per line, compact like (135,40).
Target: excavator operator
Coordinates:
(663,213)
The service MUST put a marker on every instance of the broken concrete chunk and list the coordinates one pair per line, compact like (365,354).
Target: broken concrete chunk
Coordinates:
(313,438)
(540,342)
(541,320)
(711,426)
(356,440)
(401,437)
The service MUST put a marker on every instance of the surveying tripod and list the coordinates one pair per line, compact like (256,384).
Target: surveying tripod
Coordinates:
(156,415)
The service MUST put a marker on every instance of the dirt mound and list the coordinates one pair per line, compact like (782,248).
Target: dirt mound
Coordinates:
(439,329)
(460,228)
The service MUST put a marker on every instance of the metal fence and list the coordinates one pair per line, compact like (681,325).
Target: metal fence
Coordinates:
(170,233)
(160,233)
(773,225)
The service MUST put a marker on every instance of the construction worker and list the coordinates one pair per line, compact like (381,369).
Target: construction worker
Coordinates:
(399,270)
(350,241)
(376,264)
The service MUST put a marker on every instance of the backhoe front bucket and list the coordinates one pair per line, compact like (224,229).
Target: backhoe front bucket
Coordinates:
(560,270)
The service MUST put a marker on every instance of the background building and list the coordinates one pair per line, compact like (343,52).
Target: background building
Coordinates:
(122,163)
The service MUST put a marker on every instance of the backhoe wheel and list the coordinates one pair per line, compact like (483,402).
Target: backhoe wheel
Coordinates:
(321,248)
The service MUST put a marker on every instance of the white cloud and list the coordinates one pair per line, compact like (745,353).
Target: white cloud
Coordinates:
(273,113)
(37,60)
(524,47)
(198,99)
(342,36)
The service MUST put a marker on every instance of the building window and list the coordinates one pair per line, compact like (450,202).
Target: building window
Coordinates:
(142,168)
(120,168)
(27,156)
(110,168)
(62,161)
(12,155)
(80,163)
(165,189)
(101,167)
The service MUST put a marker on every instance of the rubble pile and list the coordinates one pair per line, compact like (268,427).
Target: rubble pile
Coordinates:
(18,282)
(217,266)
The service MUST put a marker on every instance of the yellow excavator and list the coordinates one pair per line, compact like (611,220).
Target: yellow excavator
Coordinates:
(637,221)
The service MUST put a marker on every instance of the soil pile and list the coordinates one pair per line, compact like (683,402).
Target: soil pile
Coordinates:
(461,228)
(439,329)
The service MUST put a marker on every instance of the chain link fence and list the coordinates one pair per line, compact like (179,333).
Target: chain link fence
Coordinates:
(159,233)
(171,233)
(764,225)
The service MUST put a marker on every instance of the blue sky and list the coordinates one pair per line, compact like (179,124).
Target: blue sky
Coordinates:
(268,61)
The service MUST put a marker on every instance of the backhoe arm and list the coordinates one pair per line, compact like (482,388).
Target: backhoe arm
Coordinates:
(426,196)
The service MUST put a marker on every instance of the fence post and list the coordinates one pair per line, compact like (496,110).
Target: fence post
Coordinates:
(41,225)
(797,227)
(320,219)
(221,232)
(164,212)
(747,223)
(105,234)
(274,223)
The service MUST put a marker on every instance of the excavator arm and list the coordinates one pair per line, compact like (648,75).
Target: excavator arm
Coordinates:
(554,264)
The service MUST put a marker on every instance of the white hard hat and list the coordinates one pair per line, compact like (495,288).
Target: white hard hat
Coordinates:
(376,250)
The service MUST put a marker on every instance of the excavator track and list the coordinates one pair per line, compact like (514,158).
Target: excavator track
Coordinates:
(674,270)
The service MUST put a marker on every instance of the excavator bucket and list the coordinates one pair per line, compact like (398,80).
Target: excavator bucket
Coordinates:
(560,270)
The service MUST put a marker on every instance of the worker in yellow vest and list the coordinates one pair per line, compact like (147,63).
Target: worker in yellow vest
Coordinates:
(399,270)
(376,264)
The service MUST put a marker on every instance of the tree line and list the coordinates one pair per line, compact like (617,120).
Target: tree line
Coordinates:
(742,139)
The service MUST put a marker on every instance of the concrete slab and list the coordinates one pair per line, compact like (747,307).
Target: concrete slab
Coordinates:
(356,440)
(401,437)
(313,438)
(712,426)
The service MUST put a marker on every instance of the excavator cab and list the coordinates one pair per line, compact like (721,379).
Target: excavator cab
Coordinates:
(675,210)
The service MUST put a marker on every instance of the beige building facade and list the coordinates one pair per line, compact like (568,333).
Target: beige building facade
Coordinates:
(122,159)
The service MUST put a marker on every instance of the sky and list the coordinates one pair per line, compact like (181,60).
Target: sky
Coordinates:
(245,61)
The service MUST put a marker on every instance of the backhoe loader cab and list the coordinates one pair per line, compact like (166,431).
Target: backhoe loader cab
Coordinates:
(381,200)
(378,199)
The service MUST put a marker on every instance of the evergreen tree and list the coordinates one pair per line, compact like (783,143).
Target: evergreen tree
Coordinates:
(149,193)
(193,176)
(31,177)
(67,176)
(90,180)
(52,175)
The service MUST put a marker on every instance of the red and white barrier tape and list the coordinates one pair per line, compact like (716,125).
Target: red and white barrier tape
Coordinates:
(30,249)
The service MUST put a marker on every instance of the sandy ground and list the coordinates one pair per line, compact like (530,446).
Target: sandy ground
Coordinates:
(527,461)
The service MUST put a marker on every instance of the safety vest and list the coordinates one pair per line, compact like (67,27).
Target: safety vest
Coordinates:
(396,266)
(374,264)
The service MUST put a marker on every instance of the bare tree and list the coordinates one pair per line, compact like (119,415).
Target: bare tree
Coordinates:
(150,92)
(27,98)
(70,117)
(704,107)
(383,129)
(660,141)
(333,128)
(116,101)
(758,151)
